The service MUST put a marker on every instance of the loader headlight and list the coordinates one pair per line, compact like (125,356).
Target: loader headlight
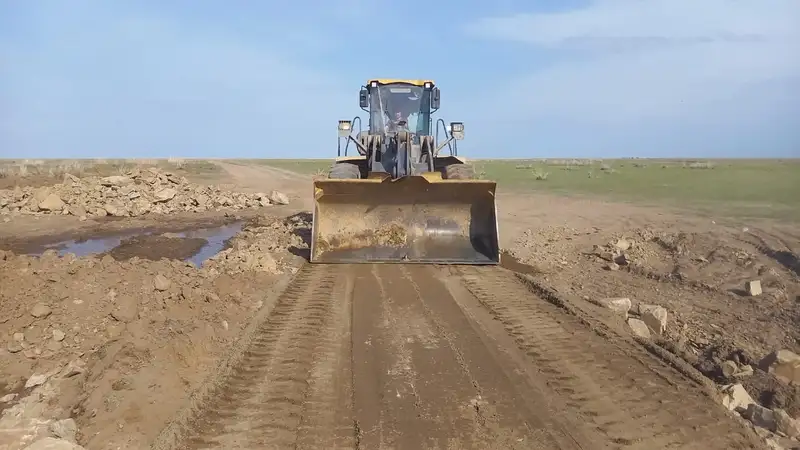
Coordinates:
(345,127)
(457,130)
(428,85)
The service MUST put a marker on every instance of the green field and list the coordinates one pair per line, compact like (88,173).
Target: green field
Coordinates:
(740,188)
(734,188)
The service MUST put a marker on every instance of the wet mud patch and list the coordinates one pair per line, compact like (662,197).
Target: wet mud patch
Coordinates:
(194,245)
(157,247)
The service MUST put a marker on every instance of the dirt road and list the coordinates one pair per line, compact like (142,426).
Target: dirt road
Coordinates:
(420,357)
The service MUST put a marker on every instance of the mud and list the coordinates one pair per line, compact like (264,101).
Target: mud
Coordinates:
(157,247)
(44,232)
(193,245)
(455,358)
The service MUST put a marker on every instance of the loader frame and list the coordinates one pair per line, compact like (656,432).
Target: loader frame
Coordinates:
(398,199)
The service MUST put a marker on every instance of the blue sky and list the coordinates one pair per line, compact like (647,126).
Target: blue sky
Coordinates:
(567,78)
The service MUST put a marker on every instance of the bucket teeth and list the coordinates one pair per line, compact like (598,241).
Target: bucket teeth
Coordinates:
(408,220)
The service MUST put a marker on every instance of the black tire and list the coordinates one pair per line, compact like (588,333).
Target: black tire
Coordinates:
(344,171)
(459,172)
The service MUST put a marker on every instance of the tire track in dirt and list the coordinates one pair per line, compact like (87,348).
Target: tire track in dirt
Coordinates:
(418,384)
(291,390)
(378,356)
(769,244)
(625,395)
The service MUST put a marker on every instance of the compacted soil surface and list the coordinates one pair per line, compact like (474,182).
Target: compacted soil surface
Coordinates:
(144,310)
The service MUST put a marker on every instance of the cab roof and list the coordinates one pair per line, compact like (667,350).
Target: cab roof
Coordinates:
(399,80)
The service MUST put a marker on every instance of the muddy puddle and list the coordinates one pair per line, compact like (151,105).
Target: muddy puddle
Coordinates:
(195,246)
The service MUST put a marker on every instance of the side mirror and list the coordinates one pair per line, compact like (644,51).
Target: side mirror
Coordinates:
(363,98)
(435,98)
(457,130)
(345,127)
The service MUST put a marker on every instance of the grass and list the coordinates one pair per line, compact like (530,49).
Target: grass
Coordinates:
(735,188)
(754,188)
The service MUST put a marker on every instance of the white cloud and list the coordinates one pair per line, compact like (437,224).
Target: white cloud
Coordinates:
(630,62)
(655,20)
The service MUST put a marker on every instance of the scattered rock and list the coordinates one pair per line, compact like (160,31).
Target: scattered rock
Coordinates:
(744,371)
(784,364)
(40,311)
(36,380)
(612,266)
(114,180)
(607,256)
(58,335)
(760,416)
(54,346)
(622,260)
(729,368)
(52,203)
(623,244)
(75,367)
(278,198)
(786,424)
(126,309)
(8,398)
(14,347)
(639,328)
(655,317)
(753,288)
(165,194)
(621,304)
(64,429)
(736,398)
(50,443)
(161,283)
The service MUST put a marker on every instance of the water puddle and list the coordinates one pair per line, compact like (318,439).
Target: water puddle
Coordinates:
(195,246)
(215,240)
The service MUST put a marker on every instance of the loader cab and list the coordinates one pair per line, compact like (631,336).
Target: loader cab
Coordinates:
(395,105)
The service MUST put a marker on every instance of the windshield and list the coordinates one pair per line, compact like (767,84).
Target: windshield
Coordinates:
(399,106)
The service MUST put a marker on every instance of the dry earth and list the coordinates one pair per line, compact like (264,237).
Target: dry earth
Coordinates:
(124,349)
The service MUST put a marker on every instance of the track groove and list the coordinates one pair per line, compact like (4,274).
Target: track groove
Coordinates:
(283,393)
(612,387)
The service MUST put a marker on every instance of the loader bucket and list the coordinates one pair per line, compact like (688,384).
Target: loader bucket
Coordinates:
(407,220)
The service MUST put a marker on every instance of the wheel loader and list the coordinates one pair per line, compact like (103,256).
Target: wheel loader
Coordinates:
(399,200)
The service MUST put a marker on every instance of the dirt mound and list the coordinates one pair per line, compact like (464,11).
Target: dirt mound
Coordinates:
(265,245)
(690,289)
(136,193)
(97,339)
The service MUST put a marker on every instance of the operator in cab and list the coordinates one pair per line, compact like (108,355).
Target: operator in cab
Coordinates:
(406,112)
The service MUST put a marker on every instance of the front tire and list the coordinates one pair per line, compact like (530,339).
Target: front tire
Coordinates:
(459,172)
(344,171)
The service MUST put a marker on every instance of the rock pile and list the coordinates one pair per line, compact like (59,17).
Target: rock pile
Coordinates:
(136,193)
